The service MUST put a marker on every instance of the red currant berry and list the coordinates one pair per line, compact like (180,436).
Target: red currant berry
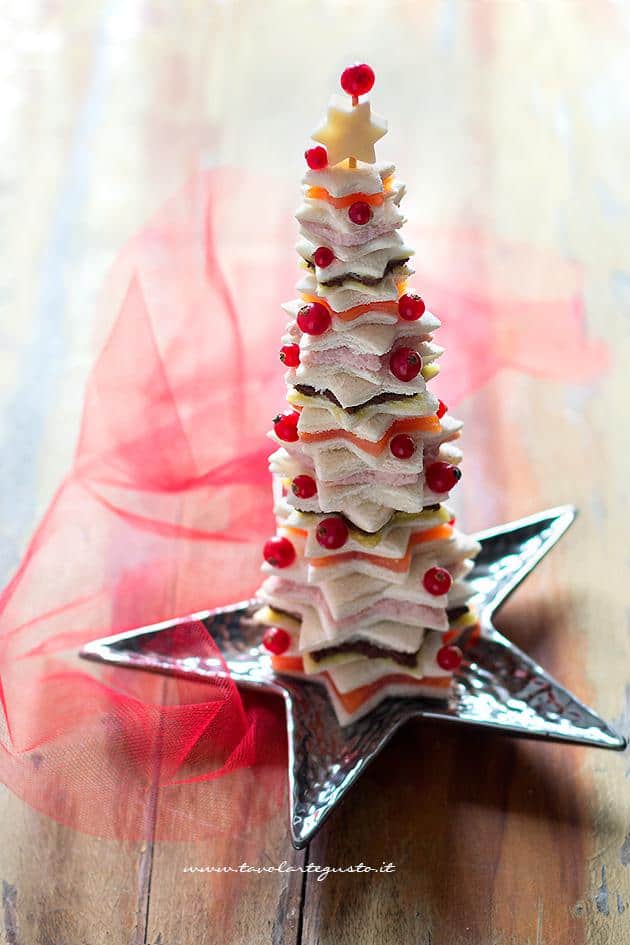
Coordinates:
(410,307)
(449,658)
(290,355)
(437,581)
(323,256)
(441,477)
(316,158)
(304,487)
(405,364)
(279,552)
(360,212)
(332,533)
(402,446)
(276,640)
(314,319)
(285,426)
(357,80)
(442,409)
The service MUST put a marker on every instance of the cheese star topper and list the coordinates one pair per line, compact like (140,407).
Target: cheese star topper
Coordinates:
(351,130)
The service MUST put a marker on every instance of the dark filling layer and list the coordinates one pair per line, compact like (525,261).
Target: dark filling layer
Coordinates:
(364,280)
(385,398)
(456,612)
(371,650)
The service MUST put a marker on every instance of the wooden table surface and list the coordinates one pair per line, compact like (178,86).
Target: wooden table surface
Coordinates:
(509,115)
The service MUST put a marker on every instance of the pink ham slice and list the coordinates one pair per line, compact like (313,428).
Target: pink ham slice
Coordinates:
(384,608)
(364,235)
(342,357)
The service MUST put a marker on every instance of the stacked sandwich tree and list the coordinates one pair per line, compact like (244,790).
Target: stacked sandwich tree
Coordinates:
(366,577)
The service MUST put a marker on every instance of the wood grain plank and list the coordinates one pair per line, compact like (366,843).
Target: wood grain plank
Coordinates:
(240,885)
(505,841)
(62,886)
(57,885)
(240,908)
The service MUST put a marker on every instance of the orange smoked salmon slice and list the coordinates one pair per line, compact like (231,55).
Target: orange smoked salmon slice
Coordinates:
(404,425)
(287,664)
(350,314)
(352,700)
(320,193)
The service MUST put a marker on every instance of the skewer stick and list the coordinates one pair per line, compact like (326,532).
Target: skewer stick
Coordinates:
(352,162)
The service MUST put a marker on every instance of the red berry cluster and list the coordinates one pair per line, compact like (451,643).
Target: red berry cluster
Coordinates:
(316,158)
(402,446)
(411,307)
(279,552)
(332,533)
(360,212)
(449,658)
(358,79)
(285,426)
(323,257)
(276,640)
(304,487)
(437,581)
(290,355)
(442,477)
(405,364)
(314,319)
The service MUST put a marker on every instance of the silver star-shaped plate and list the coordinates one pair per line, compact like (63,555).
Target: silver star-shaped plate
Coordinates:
(496,687)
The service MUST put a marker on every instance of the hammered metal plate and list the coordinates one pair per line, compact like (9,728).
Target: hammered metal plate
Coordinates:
(497,687)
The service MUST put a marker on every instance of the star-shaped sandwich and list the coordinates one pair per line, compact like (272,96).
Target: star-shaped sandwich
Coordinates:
(350,131)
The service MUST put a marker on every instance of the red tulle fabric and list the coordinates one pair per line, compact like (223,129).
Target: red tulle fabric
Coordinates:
(168,502)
